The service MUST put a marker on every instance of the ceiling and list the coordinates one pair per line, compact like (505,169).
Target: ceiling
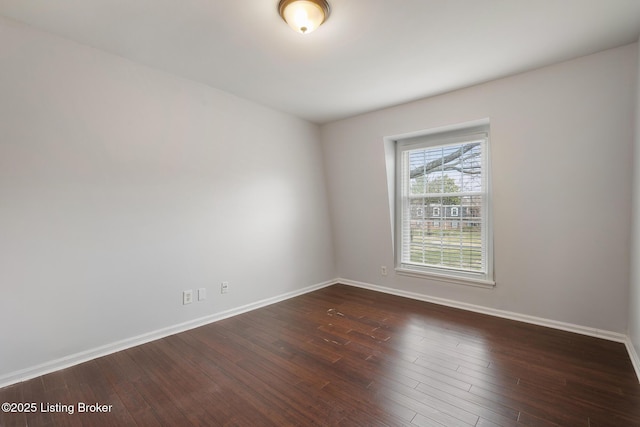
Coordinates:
(370,54)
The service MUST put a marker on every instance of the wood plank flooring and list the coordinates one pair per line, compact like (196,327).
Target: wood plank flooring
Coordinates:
(344,356)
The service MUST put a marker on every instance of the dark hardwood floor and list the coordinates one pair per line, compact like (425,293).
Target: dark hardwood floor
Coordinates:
(349,357)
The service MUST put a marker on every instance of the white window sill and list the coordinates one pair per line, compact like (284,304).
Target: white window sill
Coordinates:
(459,280)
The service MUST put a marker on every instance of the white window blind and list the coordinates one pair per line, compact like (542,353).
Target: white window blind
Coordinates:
(443,205)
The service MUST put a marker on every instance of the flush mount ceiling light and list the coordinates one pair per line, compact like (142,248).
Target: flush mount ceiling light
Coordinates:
(304,16)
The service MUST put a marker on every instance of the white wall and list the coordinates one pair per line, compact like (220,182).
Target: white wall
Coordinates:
(120,186)
(634,294)
(561,141)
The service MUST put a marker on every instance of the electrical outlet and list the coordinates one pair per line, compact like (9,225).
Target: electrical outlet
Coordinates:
(187,297)
(224,287)
(383,270)
(202,294)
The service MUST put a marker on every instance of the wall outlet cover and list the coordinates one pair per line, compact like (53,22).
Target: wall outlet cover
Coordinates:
(187,297)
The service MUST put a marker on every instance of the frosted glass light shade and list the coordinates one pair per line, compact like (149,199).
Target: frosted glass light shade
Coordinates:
(304,16)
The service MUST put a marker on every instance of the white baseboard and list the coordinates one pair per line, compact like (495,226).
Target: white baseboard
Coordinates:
(85,356)
(633,355)
(583,330)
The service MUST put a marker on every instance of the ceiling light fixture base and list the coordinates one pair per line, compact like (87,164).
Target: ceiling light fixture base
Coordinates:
(304,16)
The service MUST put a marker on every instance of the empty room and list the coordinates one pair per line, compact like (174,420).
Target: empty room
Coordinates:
(329,213)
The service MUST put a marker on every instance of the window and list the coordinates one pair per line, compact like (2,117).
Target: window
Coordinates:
(448,174)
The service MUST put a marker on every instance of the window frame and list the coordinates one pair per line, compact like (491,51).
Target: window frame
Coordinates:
(443,138)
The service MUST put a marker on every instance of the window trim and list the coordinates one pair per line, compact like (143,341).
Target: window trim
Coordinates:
(445,137)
